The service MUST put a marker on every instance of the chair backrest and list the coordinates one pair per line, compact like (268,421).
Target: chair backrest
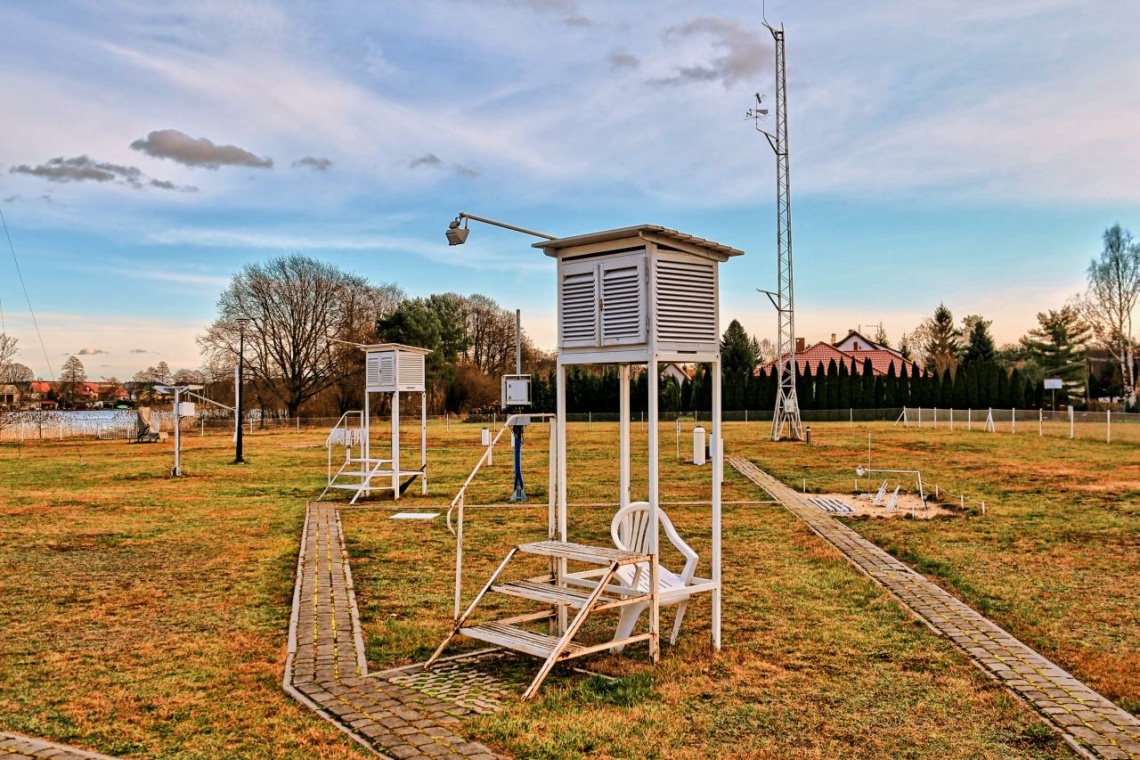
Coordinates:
(630,532)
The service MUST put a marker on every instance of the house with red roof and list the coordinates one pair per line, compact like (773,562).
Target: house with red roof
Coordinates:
(853,351)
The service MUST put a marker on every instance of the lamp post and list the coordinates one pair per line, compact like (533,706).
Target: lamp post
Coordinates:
(457,235)
(242,322)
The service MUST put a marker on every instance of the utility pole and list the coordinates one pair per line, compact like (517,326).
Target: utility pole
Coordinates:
(786,419)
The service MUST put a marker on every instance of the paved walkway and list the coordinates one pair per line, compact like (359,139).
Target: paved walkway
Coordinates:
(326,669)
(18,747)
(1091,724)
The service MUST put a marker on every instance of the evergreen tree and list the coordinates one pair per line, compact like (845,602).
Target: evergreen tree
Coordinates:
(1004,396)
(890,388)
(942,340)
(833,382)
(1058,346)
(738,360)
(867,385)
(979,342)
(946,391)
(902,388)
(844,386)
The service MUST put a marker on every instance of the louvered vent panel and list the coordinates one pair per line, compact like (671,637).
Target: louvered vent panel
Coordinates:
(579,309)
(623,305)
(387,370)
(372,372)
(686,301)
(411,371)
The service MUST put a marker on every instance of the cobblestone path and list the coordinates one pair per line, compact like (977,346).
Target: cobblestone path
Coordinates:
(17,747)
(326,670)
(1091,724)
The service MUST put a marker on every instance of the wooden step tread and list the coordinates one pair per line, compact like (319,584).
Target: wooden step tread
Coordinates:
(519,640)
(598,555)
(546,591)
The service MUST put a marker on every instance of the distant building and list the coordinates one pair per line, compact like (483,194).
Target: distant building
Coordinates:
(853,351)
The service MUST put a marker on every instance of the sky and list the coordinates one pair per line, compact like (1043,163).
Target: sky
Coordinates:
(965,152)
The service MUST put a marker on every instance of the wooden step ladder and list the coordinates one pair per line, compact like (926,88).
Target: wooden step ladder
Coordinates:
(588,592)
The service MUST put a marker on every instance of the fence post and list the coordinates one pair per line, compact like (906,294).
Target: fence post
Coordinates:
(935,418)
(951,419)
(1040,422)
(1072,427)
(852,413)
(1013,420)
(969,419)
(920,416)
(1108,419)
(746,414)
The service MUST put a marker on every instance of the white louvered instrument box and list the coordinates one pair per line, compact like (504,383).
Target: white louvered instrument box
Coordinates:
(391,367)
(630,294)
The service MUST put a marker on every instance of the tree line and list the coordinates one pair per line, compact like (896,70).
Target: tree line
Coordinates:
(303,322)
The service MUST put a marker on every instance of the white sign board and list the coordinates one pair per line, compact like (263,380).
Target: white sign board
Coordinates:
(1054,384)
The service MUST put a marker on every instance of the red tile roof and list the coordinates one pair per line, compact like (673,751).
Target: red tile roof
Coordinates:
(821,352)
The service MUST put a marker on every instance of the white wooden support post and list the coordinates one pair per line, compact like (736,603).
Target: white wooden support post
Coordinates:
(423,443)
(1072,426)
(396,445)
(718,477)
(623,436)
(1040,422)
(654,503)
(935,418)
(920,416)
(969,419)
(365,431)
(1108,420)
(560,407)
(951,419)
(1013,420)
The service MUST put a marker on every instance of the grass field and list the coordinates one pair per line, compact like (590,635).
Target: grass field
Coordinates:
(144,616)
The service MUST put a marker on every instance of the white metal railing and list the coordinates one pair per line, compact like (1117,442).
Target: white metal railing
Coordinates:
(459,501)
(347,435)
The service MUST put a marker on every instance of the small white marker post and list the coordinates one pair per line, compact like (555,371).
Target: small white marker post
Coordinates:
(1013,420)
(1040,422)
(935,418)
(1108,419)
(1072,426)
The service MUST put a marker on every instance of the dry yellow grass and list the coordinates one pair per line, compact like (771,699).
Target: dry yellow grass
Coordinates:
(144,616)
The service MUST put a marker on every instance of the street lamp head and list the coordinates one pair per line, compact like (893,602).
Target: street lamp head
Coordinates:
(243,321)
(457,235)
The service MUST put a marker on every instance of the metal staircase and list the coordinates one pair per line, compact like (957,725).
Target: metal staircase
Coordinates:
(589,591)
(360,474)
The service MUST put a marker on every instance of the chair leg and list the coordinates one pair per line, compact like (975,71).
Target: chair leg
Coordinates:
(677,624)
(628,620)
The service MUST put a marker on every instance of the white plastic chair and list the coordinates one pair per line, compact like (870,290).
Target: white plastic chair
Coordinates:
(630,531)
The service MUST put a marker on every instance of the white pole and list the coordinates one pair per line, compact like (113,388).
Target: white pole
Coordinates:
(560,406)
(969,419)
(623,435)
(423,443)
(1108,420)
(1013,420)
(654,505)
(1040,422)
(1072,427)
(237,403)
(851,414)
(951,419)
(920,416)
(177,438)
(718,476)
(396,442)
(935,418)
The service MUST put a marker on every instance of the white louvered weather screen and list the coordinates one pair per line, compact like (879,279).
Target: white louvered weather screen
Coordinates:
(579,306)
(686,301)
(623,303)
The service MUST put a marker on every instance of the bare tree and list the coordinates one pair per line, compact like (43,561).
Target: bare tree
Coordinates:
(297,307)
(71,375)
(1110,301)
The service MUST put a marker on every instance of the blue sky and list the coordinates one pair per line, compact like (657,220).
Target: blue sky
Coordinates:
(968,152)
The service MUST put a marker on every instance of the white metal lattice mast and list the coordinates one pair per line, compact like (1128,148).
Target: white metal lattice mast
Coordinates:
(786,419)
